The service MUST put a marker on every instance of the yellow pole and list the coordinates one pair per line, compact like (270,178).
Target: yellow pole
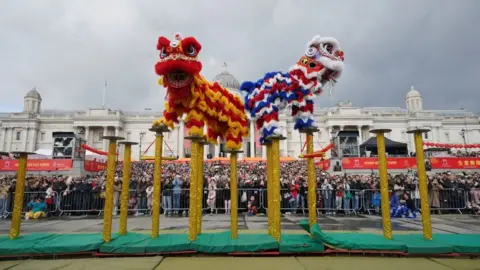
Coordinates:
(269,189)
(108,207)
(192,221)
(233,194)
(382,171)
(157,177)
(422,183)
(19,191)
(122,230)
(311,193)
(200,187)
(276,225)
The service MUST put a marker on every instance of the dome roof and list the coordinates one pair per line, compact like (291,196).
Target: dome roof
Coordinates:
(227,80)
(33,94)
(413,93)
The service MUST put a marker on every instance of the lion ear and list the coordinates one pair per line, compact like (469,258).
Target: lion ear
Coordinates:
(162,42)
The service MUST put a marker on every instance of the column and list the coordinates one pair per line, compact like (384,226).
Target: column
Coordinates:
(33,147)
(105,142)
(25,139)
(3,133)
(87,133)
(252,139)
(285,142)
(217,150)
(117,131)
(264,152)
(181,139)
(360,135)
(9,140)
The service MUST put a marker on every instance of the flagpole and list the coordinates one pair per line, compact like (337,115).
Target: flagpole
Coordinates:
(104,92)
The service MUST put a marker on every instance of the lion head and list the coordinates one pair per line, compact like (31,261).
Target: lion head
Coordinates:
(178,64)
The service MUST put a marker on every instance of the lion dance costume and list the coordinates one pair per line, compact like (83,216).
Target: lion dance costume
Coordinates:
(188,92)
(321,65)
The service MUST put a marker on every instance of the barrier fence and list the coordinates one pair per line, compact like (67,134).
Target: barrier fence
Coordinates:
(176,201)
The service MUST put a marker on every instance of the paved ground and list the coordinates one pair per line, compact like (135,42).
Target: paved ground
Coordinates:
(236,263)
(441,224)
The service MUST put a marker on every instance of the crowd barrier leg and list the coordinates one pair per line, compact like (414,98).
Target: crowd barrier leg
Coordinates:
(422,182)
(125,187)
(233,193)
(194,171)
(157,178)
(382,169)
(19,193)
(108,208)
(269,188)
(200,183)
(311,192)
(276,231)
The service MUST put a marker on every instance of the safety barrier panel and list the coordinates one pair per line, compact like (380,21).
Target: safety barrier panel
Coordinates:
(30,196)
(473,201)
(329,201)
(447,199)
(371,200)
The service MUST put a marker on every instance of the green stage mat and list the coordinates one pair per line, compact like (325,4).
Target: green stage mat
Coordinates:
(410,243)
(137,243)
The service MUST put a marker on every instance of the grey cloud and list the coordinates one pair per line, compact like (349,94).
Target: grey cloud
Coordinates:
(68,48)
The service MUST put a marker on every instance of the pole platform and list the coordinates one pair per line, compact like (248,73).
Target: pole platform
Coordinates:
(159,129)
(115,138)
(309,130)
(128,143)
(380,130)
(418,130)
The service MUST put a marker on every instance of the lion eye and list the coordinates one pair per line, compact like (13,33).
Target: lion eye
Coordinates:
(163,53)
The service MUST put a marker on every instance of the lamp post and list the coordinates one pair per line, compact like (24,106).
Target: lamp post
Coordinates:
(334,136)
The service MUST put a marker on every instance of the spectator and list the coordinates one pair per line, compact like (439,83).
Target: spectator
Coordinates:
(38,209)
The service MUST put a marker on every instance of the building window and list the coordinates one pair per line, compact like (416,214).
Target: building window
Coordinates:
(129,135)
(42,136)
(18,135)
(289,135)
(404,135)
(100,135)
(447,136)
(426,135)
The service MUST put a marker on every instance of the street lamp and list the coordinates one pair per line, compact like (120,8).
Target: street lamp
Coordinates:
(140,146)
(334,151)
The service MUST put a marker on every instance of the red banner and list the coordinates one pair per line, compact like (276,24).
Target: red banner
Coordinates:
(447,163)
(94,166)
(323,164)
(369,163)
(37,165)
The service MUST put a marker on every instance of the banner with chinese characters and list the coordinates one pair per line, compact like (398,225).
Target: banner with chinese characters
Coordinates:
(37,165)
(95,166)
(456,163)
(323,164)
(369,163)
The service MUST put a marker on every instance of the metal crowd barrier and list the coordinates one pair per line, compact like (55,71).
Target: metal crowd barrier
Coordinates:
(371,200)
(52,204)
(448,199)
(328,201)
(473,200)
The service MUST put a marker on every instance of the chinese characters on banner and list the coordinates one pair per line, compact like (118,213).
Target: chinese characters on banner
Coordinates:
(323,164)
(94,166)
(370,163)
(37,165)
(447,163)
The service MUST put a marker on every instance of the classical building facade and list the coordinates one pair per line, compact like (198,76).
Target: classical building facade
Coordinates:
(32,130)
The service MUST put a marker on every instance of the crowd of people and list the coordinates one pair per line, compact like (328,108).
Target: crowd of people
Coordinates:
(336,193)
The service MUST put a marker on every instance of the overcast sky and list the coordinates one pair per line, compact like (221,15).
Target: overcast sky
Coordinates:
(67,49)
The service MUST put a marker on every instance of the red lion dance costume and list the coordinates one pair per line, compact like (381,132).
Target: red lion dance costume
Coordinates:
(189,92)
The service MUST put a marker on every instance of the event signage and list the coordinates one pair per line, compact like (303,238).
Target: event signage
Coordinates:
(37,165)
(458,163)
(371,163)
(95,166)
